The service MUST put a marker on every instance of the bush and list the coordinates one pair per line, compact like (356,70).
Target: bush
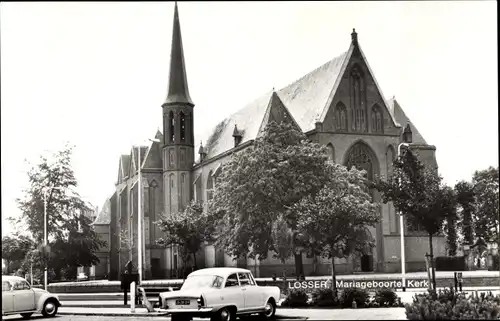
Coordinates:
(386,298)
(450,305)
(296,298)
(324,298)
(359,295)
(450,263)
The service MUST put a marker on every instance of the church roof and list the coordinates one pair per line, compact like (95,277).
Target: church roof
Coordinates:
(401,119)
(306,97)
(125,160)
(104,216)
(248,120)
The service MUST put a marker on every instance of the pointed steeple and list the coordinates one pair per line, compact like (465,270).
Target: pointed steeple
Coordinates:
(178,91)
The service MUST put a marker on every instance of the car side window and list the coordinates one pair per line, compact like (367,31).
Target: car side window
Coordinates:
(21,285)
(244,279)
(250,279)
(232,280)
(217,282)
(5,286)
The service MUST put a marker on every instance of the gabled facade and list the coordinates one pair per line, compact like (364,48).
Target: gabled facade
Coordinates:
(339,104)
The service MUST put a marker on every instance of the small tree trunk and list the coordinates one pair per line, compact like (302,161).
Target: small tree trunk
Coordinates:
(334,279)
(432,263)
(194,258)
(299,267)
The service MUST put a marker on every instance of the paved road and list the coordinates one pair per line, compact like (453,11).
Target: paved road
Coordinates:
(284,315)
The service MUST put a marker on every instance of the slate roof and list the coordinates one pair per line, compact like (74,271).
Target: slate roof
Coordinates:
(125,160)
(401,120)
(306,97)
(248,120)
(104,216)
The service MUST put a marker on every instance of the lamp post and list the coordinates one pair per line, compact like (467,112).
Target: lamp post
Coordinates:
(47,189)
(407,139)
(140,234)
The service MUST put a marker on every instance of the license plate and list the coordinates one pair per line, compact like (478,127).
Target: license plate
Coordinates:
(182,302)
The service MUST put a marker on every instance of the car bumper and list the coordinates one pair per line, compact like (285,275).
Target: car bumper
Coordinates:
(193,312)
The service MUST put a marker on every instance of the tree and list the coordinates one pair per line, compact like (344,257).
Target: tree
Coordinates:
(188,229)
(451,235)
(72,240)
(466,205)
(15,248)
(335,220)
(261,184)
(486,190)
(417,191)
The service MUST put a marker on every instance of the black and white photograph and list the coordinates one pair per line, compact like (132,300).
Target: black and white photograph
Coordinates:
(239,160)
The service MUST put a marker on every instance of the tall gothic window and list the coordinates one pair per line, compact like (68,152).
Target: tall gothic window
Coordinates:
(210,186)
(358,100)
(360,157)
(170,191)
(172,126)
(182,191)
(377,123)
(182,124)
(341,117)
(331,152)
(153,187)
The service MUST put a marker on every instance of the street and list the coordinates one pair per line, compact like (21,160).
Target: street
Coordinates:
(282,315)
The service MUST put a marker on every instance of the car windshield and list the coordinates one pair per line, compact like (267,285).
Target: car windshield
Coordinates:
(202,281)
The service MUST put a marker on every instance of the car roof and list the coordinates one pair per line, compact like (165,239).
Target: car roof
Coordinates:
(219,271)
(12,278)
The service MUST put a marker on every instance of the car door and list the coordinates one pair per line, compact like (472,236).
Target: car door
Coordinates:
(232,292)
(24,296)
(7,297)
(250,291)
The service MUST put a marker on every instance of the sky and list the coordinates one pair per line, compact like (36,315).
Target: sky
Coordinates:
(95,74)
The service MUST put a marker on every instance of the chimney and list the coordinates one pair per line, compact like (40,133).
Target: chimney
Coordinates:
(237,136)
(202,152)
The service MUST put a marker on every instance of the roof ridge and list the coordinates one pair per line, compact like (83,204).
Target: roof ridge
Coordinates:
(315,70)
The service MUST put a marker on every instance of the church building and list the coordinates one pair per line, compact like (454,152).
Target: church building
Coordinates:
(339,104)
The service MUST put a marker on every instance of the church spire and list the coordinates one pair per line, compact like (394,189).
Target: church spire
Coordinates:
(178,91)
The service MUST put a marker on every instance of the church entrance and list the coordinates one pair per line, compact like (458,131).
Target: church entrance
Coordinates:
(367,263)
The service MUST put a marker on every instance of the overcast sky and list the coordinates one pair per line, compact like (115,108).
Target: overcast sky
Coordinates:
(95,74)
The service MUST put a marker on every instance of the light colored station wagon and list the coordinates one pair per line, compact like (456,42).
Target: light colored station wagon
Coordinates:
(220,294)
(18,297)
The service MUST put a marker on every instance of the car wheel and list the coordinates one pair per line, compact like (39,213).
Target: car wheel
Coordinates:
(49,309)
(26,315)
(224,314)
(269,310)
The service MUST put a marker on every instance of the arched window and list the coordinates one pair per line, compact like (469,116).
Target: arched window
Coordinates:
(182,191)
(341,117)
(331,152)
(182,124)
(171,192)
(358,99)
(377,121)
(361,157)
(172,126)
(210,186)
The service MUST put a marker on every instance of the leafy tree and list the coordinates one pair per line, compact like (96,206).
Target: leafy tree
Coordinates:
(486,189)
(14,249)
(336,219)
(466,205)
(417,191)
(72,240)
(188,229)
(261,184)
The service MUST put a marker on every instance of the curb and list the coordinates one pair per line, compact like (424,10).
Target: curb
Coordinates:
(157,314)
(114,314)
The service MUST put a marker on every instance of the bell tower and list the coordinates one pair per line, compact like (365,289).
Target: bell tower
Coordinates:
(178,148)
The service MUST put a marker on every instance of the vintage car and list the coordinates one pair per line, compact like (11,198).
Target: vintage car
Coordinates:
(220,294)
(18,297)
